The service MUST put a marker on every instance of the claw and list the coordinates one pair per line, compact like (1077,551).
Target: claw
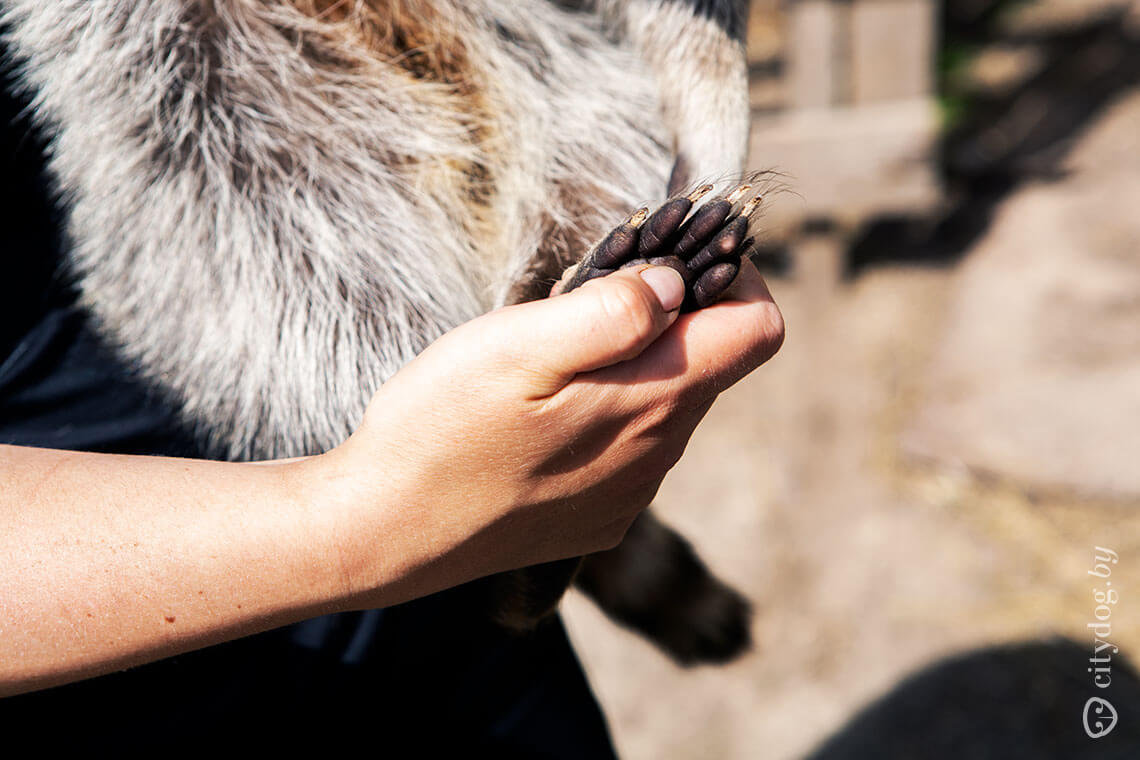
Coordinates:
(747,209)
(699,193)
(738,193)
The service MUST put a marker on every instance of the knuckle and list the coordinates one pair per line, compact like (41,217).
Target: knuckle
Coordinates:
(760,341)
(773,330)
(624,307)
(767,334)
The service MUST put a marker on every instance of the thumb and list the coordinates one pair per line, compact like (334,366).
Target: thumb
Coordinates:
(606,321)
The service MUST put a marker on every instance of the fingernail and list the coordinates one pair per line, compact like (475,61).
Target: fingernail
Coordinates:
(667,285)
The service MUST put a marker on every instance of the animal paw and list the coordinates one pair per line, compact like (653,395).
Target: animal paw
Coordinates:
(705,246)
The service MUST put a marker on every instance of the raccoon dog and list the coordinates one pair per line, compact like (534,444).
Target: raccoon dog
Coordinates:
(273,205)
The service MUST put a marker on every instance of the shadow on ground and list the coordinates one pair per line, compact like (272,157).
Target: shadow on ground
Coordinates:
(1020,702)
(1007,137)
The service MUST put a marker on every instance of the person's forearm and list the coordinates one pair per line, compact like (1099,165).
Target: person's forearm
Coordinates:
(110,561)
(462,467)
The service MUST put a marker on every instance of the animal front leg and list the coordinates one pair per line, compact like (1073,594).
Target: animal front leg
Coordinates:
(695,48)
(705,246)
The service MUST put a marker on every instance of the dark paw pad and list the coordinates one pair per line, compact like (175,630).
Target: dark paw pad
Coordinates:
(704,246)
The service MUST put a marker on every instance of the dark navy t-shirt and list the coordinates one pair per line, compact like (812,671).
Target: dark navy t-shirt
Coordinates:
(427,676)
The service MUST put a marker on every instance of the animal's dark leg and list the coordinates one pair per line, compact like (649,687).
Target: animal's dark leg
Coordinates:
(654,583)
(520,599)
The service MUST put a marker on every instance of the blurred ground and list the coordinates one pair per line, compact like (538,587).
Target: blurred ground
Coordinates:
(925,468)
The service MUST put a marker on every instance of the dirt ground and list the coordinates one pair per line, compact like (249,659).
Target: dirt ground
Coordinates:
(925,468)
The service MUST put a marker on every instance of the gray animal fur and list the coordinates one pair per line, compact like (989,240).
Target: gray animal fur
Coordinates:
(266,215)
(270,211)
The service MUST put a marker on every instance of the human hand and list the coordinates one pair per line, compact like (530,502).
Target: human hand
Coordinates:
(537,432)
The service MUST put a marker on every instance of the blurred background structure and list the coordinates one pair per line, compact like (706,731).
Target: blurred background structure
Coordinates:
(915,489)
(843,97)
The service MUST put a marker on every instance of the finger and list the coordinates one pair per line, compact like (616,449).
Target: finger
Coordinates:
(726,341)
(749,285)
(707,350)
(561,284)
(607,321)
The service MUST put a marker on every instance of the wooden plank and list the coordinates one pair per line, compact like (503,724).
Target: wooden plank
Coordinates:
(814,35)
(892,50)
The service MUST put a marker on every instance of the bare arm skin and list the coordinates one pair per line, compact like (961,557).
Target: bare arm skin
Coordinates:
(111,561)
(506,443)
